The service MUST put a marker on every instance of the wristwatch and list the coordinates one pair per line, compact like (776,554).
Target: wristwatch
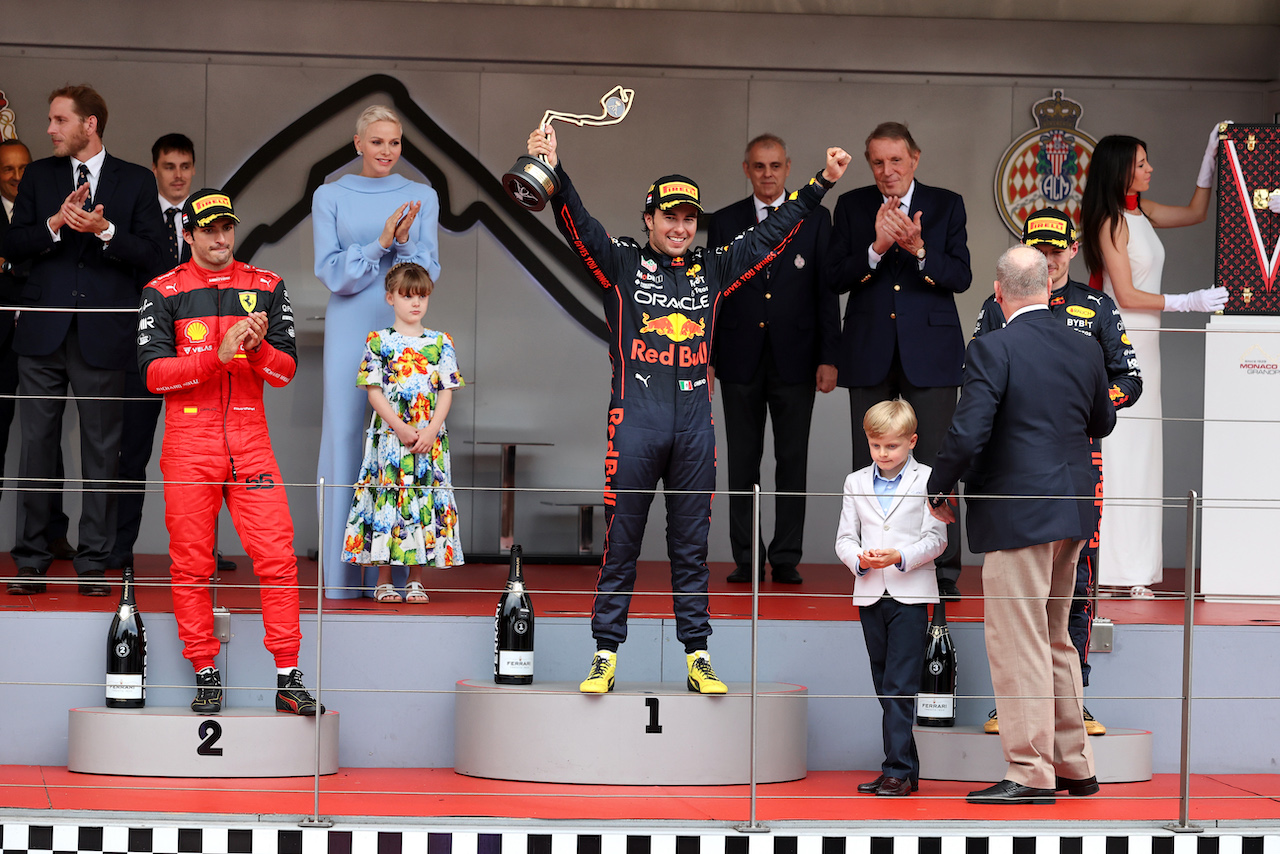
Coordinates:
(920,252)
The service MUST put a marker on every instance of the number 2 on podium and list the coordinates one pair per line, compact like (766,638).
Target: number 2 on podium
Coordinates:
(210,731)
(652,704)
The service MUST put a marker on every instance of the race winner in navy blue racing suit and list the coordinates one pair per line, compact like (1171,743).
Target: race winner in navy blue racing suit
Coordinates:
(660,304)
(1093,313)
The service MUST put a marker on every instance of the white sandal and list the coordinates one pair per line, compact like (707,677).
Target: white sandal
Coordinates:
(385,594)
(415,593)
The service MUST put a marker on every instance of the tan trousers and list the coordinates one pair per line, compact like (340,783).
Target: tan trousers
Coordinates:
(1035,671)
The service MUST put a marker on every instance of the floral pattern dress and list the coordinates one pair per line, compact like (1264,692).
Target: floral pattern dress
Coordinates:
(404,512)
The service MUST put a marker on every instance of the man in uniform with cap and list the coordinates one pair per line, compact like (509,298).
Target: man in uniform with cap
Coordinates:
(660,303)
(210,331)
(1095,314)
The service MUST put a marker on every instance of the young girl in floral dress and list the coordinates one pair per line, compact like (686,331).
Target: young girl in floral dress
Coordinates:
(404,512)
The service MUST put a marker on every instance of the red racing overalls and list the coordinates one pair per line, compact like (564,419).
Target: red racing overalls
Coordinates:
(216,444)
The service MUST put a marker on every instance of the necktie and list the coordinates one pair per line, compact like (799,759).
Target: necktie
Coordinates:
(174,255)
(84,179)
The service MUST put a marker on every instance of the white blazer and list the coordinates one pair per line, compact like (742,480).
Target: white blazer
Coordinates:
(908,526)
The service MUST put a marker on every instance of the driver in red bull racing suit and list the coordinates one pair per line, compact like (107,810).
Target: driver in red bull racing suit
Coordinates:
(209,332)
(660,303)
(1095,314)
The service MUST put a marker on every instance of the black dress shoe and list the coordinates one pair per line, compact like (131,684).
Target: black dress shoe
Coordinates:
(892,787)
(948,591)
(789,575)
(225,565)
(870,788)
(61,549)
(1078,788)
(742,575)
(26,588)
(94,584)
(1009,792)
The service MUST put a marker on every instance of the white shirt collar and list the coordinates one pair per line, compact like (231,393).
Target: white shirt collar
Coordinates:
(8,208)
(761,206)
(165,204)
(905,201)
(1026,309)
(94,163)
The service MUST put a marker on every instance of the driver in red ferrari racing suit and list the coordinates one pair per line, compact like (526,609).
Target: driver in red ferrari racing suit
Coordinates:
(660,304)
(209,332)
(1095,314)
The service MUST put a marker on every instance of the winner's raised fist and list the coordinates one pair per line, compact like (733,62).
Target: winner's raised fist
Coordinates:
(837,161)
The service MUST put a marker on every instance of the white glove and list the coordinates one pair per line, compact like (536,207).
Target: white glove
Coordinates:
(1210,157)
(1205,299)
(1274,203)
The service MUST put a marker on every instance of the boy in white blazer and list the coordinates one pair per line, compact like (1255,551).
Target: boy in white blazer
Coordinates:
(889,540)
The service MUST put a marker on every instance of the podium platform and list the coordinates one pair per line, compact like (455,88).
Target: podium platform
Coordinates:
(642,734)
(173,741)
(968,753)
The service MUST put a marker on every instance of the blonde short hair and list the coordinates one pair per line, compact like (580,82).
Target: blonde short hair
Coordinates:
(890,418)
(375,113)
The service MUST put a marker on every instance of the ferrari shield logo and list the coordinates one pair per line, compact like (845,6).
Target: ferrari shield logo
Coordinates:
(1046,166)
(249,301)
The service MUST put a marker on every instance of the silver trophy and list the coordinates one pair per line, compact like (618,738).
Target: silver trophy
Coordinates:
(532,182)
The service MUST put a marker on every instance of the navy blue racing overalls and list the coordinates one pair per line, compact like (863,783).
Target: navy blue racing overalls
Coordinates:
(1093,313)
(661,313)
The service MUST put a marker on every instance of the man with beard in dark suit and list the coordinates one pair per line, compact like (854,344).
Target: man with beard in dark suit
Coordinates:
(90,225)
(775,347)
(899,249)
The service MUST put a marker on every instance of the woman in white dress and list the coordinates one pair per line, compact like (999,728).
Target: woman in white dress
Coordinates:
(1123,252)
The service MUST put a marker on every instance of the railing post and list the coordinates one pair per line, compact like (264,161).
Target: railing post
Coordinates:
(1184,825)
(315,820)
(753,826)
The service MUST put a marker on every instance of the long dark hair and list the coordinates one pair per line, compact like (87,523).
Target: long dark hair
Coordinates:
(1110,169)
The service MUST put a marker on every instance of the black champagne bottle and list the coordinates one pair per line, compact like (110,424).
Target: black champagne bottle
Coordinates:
(936,702)
(127,652)
(513,629)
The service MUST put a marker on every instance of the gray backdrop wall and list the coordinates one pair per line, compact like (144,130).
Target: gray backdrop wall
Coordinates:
(705,83)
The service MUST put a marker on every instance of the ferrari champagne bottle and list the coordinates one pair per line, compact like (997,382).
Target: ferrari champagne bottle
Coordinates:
(936,702)
(127,652)
(513,629)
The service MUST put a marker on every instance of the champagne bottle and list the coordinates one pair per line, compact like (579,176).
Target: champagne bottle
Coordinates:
(127,652)
(513,629)
(936,702)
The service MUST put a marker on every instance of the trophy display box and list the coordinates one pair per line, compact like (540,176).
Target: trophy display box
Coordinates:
(1248,244)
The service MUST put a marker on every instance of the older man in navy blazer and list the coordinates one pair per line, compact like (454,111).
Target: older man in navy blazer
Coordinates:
(899,249)
(775,347)
(91,226)
(1034,393)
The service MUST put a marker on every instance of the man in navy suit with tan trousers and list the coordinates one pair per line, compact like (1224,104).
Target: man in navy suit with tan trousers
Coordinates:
(899,249)
(1034,393)
(775,347)
(90,225)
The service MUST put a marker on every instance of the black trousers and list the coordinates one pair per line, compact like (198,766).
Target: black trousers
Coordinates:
(8,408)
(934,408)
(790,409)
(43,382)
(896,640)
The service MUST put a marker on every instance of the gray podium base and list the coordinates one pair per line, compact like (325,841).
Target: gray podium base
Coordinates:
(642,734)
(175,742)
(968,753)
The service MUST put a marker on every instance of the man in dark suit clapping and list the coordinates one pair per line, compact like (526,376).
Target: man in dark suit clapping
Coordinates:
(899,249)
(90,225)
(775,347)
(1034,393)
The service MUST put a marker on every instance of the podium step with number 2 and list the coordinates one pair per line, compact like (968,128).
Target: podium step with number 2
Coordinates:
(175,742)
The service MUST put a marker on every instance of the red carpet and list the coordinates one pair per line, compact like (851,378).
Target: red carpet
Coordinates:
(822,796)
